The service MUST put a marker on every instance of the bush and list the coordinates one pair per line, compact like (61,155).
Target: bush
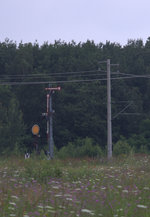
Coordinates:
(121,147)
(42,170)
(78,173)
(81,148)
(140,143)
(89,150)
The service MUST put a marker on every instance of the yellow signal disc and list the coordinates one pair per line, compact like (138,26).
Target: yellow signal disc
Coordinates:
(35,129)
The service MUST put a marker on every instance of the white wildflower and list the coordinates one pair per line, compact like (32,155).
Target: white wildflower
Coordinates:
(125,191)
(68,198)
(12,203)
(58,195)
(87,211)
(15,197)
(49,207)
(135,191)
(62,207)
(41,207)
(103,188)
(52,211)
(118,210)
(146,188)
(12,208)
(141,206)
(13,180)
(55,187)
(67,195)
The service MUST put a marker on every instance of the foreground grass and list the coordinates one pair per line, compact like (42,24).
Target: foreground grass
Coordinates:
(87,187)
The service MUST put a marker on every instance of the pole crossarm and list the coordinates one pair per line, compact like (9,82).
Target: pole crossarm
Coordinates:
(53,88)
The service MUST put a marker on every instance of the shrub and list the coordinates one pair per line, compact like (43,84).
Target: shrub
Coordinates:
(121,147)
(144,149)
(41,170)
(67,151)
(89,150)
(81,148)
(140,143)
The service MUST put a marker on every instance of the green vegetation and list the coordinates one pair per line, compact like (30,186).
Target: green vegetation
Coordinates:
(12,128)
(75,187)
(80,148)
(41,170)
(121,147)
(79,181)
(80,108)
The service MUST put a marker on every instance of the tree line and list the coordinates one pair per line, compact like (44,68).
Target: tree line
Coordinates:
(81,105)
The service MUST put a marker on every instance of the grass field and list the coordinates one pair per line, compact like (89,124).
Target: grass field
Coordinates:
(75,187)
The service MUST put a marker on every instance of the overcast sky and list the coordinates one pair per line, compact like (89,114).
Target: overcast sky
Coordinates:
(78,20)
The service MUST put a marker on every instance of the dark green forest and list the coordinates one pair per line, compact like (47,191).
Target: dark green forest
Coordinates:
(81,105)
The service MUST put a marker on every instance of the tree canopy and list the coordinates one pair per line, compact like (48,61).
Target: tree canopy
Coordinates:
(80,106)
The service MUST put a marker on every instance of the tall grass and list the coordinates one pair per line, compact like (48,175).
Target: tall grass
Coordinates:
(75,187)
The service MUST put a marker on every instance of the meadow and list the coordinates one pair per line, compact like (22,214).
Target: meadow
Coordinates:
(75,187)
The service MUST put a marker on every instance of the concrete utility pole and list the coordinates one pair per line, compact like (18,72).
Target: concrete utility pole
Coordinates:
(49,117)
(109,119)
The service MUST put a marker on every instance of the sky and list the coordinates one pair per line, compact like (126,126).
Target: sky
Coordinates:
(79,20)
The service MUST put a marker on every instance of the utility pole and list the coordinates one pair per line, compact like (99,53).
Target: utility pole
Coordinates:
(49,117)
(109,119)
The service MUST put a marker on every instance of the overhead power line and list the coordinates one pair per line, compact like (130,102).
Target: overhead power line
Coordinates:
(78,73)
(4,79)
(65,81)
(51,74)
(60,81)
(136,76)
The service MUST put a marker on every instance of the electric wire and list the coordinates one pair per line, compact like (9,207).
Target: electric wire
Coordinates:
(49,76)
(63,81)
(54,74)
(70,75)
(136,76)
